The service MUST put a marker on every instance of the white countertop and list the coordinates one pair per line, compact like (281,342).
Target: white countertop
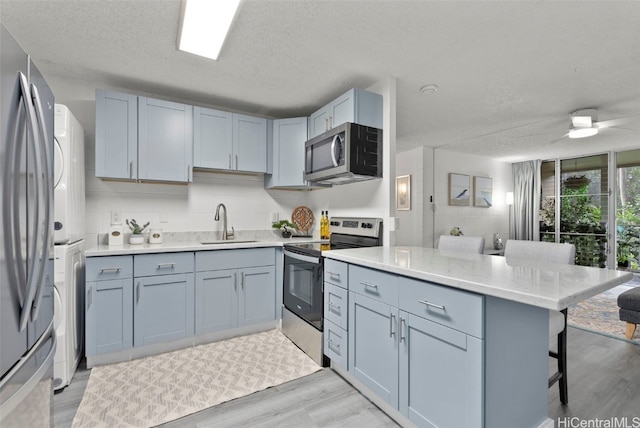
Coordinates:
(550,286)
(171,247)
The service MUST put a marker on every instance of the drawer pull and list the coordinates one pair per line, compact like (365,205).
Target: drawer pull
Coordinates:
(333,274)
(433,305)
(402,321)
(370,286)
(107,270)
(334,344)
(166,265)
(334,308)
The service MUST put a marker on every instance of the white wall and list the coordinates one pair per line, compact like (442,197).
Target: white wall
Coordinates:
(416,225)
(429,170)
(473,221)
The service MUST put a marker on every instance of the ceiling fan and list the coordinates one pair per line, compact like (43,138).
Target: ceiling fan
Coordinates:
(584,123)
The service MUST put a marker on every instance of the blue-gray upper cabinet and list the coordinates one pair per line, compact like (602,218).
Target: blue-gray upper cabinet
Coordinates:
(164,297)
(116,135)
(287,154)
(212,138)
(249,143)
(108,304)
(229,141)
(356,105)
(165,140)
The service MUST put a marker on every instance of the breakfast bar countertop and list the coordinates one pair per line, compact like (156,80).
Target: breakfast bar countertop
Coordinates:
(545,285)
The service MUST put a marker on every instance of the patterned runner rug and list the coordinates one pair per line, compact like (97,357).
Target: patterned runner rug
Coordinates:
(160,388)
(599,314)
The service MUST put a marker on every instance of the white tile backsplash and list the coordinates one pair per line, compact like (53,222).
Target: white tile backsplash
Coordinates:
(188,208)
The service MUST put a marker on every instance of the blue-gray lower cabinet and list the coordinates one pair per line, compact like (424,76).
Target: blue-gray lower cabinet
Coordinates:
(231,298)
(163,309)
(108,316)
(373,346)
(257,295)
(216,300)
(441,373)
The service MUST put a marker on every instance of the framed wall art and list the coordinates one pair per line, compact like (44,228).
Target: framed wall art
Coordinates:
(459,189)
(482,192)
(403,193)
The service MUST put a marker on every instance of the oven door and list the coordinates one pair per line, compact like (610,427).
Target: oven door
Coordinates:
(302,292)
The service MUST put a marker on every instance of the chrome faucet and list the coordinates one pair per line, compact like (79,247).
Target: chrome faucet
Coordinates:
(225,235)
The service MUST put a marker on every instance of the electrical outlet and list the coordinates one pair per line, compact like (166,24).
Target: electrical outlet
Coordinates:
(115,218)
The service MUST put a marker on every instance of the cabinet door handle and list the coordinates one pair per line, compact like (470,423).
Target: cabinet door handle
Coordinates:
(236,161)
(433,305)
(242,280)
(90,297)
(391,318)
(189,173)
(235,281)
(229,160)
(138,292)
(330,122)
(166,265)
(107,270)
(402,336)
(131,169)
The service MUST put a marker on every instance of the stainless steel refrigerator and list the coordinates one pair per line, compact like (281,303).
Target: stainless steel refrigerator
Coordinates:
(27,339)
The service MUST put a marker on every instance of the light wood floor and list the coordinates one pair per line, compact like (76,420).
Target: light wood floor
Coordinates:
(604,382)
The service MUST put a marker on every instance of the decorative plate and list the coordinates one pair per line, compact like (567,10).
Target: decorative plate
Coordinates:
(303,218)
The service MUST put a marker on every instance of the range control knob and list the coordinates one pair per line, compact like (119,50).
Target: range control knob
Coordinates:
(369,226)
(363,225)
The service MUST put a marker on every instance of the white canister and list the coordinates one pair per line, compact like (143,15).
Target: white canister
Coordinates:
(116,235)
(155,236)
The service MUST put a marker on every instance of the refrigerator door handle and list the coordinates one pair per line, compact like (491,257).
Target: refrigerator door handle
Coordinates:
(47,198)
(23,277)
(10,193)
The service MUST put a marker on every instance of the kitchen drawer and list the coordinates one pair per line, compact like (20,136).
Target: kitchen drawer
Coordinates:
(107,268)
(374,283)
(335,344)
(335,305)
(232,259)
(335,272)
(163,264)
(460,310)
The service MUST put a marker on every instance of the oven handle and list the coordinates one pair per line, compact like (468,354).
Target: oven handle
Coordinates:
(309,259)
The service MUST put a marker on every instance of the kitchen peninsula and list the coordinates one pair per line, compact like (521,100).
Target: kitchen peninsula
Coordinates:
(450,339)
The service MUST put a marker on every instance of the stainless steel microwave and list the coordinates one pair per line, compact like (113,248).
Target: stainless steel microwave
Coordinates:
(344,154)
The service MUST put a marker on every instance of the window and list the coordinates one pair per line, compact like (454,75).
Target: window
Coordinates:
(628,210)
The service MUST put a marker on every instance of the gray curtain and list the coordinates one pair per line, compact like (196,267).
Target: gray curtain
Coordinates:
(526,201)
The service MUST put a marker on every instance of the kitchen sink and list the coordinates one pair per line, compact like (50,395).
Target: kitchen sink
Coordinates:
(228,241)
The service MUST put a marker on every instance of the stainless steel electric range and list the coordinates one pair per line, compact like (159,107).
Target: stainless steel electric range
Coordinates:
(302,312)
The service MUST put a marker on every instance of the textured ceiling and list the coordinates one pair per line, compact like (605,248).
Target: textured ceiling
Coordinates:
(509,73)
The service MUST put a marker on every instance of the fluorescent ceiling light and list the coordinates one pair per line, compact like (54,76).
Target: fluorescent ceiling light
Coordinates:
(204,26)
(582,132)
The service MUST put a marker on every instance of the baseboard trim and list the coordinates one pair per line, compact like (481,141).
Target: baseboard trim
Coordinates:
(159,348)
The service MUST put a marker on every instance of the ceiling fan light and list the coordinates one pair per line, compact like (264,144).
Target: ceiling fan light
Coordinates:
(582,132)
